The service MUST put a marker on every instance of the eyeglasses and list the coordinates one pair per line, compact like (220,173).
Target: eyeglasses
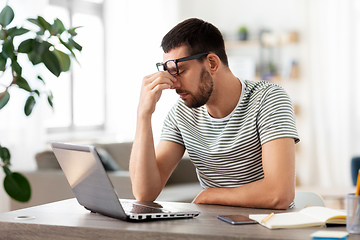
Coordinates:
(172,65)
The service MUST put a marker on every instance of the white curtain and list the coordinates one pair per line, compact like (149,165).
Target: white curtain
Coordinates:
(332,90)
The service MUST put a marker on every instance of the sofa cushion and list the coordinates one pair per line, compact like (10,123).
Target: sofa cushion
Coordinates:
(107,160)
(46,160)
(119,151)
(184,173)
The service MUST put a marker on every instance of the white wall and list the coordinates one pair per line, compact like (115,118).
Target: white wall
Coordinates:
(229,15)
(134,36)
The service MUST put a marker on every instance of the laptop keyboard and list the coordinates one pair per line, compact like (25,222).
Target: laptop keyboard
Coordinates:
(137,208)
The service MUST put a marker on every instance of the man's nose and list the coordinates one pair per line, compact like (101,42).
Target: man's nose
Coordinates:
(176,84)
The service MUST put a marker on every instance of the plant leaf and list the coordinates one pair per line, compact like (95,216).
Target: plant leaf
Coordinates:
(29,105)
(72,31)
(41,46)
(2,63)
(26,46)
(2,34)
(34,21)
(6,16)
(64,60)
(37,92)
(4,99)
(17,186)
(75,44)
(68,46)
(16,67)
(57,27)
(17,31)
(50,100)
(23,84)
(4,154)
(34,58)
(45,25)
(51,62)
(41,79)
(8,49)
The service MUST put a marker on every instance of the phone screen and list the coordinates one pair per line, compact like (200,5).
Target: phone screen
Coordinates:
(236,219)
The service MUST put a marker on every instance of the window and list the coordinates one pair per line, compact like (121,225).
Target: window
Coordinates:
(79,95)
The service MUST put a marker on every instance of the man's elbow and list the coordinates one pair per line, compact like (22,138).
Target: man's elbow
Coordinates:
(282,200)
(142,194)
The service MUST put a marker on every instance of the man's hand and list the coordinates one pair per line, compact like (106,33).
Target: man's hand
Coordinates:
(151,90)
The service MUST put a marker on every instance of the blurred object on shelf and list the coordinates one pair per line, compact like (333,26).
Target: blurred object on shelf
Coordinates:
(273,39)
(296,109)
(291,71)
(243,33)
(294,71)
(269,72)
(234,44)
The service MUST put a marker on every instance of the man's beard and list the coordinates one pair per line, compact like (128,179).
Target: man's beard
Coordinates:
(205,90)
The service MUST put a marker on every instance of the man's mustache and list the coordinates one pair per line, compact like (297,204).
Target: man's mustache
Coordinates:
(179,91)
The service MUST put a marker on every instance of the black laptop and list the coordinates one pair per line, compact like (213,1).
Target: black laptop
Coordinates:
(93,189)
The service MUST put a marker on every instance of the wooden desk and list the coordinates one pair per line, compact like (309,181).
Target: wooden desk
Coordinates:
(68,220)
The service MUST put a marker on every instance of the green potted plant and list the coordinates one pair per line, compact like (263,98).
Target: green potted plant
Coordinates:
(243,33)
(41,47)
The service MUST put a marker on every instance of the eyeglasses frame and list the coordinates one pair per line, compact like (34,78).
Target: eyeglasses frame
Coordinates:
(176,61)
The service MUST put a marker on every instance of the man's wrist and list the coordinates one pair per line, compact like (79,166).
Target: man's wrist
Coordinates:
(144,116)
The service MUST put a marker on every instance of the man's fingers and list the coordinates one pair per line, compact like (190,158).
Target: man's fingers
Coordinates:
(159,78)
(162,86)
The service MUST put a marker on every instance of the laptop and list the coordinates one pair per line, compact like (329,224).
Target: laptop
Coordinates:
(93,189)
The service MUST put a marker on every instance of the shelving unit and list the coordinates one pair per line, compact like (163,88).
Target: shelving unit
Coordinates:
(285,49)
(269,49)
(238,44)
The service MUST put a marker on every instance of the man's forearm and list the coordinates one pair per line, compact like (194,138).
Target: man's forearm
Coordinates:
(145,177)
(256,195)
(144,172)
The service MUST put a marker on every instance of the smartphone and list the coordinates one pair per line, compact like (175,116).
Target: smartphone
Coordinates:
(236,219)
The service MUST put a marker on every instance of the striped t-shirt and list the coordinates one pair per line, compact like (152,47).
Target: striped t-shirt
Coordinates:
(227,152)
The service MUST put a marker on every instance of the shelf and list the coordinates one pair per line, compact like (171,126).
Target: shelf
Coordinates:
(238,44)
(269,40)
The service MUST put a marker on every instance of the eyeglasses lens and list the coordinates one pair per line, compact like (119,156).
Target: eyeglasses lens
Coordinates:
(171,67)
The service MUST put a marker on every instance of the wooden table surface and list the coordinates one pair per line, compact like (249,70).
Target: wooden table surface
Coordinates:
(68,220)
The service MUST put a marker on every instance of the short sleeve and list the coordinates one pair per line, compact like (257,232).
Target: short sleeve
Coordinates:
(276,117)
(170,130)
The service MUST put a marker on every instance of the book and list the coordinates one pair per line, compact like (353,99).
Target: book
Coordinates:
(329,235)
(307,217)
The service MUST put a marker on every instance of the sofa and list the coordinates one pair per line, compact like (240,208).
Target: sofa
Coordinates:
(49,184)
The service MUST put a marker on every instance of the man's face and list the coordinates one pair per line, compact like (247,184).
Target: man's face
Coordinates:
(195,84)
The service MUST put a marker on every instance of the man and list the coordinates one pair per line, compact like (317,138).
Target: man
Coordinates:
(239,134)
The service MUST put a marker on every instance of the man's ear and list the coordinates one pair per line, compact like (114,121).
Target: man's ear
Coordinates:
(214,63)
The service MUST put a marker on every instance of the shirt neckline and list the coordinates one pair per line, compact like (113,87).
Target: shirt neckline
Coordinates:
(232,113)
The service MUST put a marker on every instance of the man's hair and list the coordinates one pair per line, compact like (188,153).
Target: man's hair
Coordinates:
(199,37)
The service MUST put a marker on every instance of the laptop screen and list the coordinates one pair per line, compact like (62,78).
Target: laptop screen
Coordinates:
(88,179)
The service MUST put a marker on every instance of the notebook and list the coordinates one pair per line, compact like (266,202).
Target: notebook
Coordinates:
(307,217)
(93,189)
